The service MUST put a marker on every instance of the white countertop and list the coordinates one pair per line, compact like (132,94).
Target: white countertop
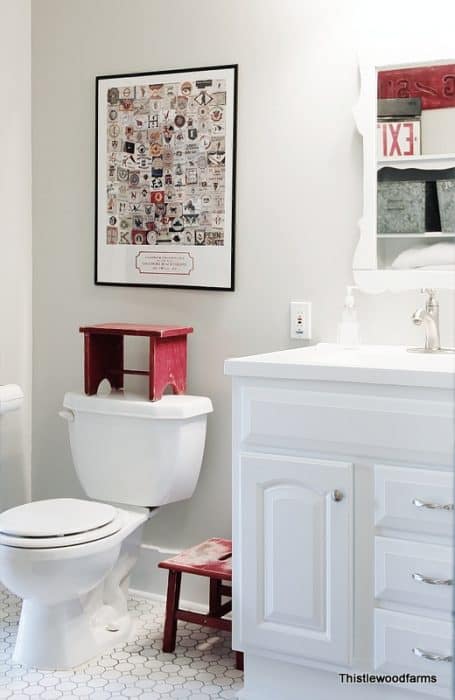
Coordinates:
(373,364)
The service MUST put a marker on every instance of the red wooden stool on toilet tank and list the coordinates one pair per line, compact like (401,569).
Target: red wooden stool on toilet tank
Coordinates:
(104,351)
(212,559)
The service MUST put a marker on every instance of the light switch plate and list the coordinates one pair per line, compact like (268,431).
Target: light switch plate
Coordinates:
(300,320)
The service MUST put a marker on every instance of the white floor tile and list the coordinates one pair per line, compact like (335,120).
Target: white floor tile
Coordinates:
(202,668)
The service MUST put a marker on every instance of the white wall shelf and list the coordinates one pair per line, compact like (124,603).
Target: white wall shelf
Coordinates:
(375,252)
(439,161)
(378,281)
(430,235)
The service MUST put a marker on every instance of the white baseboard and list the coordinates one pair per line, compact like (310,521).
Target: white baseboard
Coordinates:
(184,604)
(148,581)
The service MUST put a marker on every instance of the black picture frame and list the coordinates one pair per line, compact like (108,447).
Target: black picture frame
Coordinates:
(225,258)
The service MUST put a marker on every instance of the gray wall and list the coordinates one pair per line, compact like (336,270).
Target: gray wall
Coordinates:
(15,245)
(298,202)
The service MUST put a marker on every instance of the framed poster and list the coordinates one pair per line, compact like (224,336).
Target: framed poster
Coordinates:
(165,178)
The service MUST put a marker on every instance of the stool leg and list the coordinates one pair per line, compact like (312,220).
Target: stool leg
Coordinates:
(103,359)
(239,660)
(215,597)
(172,604)
(167,366)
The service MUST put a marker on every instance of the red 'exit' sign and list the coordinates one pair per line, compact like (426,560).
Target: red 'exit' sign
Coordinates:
(397,139)
(435,85)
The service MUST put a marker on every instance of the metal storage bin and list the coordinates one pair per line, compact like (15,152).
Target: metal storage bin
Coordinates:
(401,207)
(446,200)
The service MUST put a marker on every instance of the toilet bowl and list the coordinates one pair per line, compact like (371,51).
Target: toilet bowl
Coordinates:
(70,559)
(59,575)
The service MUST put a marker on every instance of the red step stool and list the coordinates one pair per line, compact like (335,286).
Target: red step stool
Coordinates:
(212,559)
(104,351)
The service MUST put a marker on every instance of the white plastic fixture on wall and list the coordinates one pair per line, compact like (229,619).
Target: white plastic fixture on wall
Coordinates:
(11,397)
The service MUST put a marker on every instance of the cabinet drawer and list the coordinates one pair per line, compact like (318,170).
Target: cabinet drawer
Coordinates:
(415,645)
(297,416)
(414,573)
(417,500)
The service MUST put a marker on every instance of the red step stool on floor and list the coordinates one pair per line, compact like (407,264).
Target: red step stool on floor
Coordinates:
(103,356)
(212,559)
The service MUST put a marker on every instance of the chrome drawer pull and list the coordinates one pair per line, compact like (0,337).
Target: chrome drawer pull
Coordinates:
(429,656)
(432,506)
(432,581)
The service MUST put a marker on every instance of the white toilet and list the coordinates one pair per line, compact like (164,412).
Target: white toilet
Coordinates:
(70,559)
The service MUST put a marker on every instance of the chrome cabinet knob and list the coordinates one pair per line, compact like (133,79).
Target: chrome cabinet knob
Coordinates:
(337,495)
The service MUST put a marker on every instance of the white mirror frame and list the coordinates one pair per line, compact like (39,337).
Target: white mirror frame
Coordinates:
(366,274)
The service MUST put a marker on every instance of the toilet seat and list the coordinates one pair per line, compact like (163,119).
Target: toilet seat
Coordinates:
(59,522)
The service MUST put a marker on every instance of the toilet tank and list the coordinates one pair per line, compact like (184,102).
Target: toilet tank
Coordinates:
(129,450)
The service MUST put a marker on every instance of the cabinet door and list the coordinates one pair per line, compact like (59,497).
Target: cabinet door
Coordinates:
(294,555)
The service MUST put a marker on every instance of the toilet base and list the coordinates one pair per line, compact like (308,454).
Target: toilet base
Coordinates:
(75,598)
(64,635)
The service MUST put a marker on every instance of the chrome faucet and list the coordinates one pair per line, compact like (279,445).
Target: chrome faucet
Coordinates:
(428,316)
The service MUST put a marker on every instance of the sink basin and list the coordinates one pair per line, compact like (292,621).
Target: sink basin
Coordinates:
(379,364)
(378,356)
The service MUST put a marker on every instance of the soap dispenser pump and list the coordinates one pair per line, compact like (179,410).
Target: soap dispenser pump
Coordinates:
(348,328)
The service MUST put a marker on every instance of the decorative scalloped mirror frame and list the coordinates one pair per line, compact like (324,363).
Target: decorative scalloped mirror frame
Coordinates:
(366,274)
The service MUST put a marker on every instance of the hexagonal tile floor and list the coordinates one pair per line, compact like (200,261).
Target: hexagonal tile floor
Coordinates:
(202,667)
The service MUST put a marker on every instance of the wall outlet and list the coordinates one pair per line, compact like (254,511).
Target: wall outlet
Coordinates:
(300,317)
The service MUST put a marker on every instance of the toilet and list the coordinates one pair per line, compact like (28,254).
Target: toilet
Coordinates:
(70,559)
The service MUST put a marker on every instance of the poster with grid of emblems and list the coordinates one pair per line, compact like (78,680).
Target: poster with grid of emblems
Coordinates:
(165,178)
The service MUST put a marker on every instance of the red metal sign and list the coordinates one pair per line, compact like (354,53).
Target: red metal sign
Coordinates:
(435,85)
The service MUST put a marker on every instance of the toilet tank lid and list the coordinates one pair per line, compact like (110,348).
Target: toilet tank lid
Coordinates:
(170,407)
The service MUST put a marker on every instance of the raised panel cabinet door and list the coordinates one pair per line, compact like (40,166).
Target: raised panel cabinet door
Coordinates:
(294,540)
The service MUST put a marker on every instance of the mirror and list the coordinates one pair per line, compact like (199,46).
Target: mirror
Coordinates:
(406,115)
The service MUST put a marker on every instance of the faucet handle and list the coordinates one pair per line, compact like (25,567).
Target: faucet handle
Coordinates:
(432,298)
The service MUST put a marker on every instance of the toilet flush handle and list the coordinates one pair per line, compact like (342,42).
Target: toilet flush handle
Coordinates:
(67,415)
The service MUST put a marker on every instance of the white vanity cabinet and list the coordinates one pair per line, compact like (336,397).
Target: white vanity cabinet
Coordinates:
(342,521)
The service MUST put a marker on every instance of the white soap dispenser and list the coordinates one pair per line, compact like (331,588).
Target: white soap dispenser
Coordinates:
(348,328)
